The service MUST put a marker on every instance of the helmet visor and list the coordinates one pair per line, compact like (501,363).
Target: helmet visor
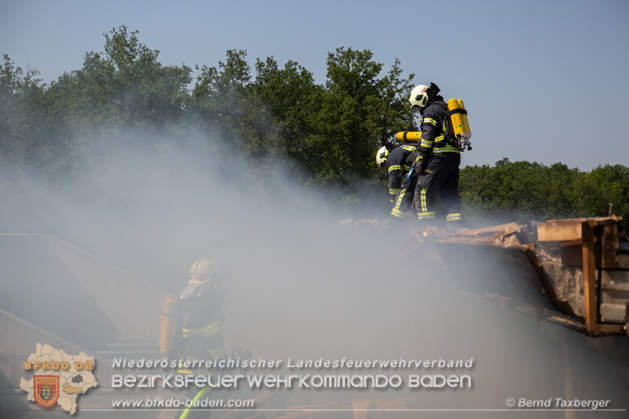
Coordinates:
(382,166)
(415,108)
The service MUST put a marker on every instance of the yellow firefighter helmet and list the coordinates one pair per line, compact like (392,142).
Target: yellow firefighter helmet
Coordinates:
(202,271)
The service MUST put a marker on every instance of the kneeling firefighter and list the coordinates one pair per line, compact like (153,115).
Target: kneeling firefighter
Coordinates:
(201,320)
(403,200)
(395,161)
(439,157)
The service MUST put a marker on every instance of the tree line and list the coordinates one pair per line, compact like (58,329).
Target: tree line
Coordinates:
(326,132)
(330,131)
(523,191)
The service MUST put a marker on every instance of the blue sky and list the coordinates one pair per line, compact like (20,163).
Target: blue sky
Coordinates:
(543,81)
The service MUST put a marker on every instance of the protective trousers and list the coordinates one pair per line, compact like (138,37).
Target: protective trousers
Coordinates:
(404,198)
(442,177)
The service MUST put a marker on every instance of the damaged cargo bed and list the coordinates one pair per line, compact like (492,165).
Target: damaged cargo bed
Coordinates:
(574,271)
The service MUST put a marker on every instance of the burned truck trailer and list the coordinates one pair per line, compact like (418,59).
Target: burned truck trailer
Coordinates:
(571,271)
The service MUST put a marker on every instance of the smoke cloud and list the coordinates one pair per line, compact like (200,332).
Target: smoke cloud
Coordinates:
(295,286)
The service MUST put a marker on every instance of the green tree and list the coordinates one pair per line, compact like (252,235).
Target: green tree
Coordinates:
(24,133)
(524,191)
(126,86)
(289,96)
(331,131)
(218,99)
(359,111)
(604,185)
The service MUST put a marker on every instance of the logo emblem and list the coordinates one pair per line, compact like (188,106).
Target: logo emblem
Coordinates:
(46,390)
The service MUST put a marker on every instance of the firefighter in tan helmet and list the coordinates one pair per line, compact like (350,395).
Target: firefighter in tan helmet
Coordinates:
(200,312)
(201,319)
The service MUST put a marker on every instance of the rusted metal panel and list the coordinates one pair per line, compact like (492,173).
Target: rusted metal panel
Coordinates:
(613,313)
(609,246)
(609,329)
(584,244)
(615,280)
(614,295)
(572,255)
(496,263)
(597,247)
(560,230)
(589,278)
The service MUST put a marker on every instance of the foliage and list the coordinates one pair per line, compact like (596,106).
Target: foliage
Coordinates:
(323,134)
(328,131)
(124,86)
(358,112)
(23,107)
(524,191)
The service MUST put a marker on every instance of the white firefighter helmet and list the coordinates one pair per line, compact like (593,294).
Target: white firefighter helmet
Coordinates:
(381,158)
(202,271)
(419,97)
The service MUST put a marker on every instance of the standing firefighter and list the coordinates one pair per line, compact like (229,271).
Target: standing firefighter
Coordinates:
(439,157)
(201,323)
(395,164)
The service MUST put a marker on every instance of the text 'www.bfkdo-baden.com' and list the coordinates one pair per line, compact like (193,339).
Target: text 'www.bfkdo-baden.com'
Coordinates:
(178,403)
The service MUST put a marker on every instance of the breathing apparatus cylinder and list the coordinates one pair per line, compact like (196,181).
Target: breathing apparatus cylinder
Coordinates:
(408,136)
(458,119)
(169,324)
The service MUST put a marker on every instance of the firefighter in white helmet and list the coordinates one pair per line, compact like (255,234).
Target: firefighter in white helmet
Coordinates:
(381,159)
(201,323)
(439,158)
(395,164)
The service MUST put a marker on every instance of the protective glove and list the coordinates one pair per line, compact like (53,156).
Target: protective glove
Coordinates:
(420,165)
